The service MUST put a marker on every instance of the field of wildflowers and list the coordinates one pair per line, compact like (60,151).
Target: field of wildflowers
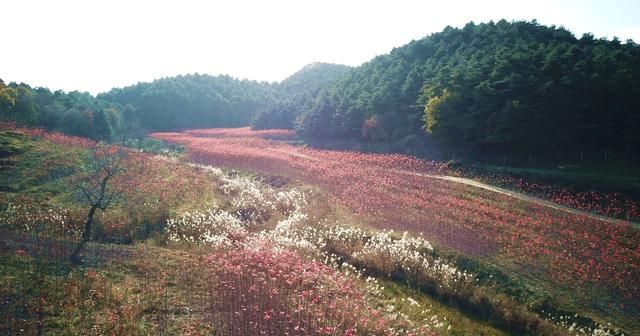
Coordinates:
(229,220)
(587,257)
(204,250)
(345,249)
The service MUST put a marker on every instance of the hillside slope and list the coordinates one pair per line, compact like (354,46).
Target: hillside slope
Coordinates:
(502,88)
(192,101)
(298,93)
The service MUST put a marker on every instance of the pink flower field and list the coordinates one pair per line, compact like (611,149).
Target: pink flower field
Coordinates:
(391,191)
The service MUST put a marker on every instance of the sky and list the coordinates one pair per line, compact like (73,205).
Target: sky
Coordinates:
(95,45)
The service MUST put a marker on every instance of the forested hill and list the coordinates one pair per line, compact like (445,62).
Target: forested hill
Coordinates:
(312,78)
(500,88)
(193,101)
(297,93)
(186,101)
(221,101)
(516,89)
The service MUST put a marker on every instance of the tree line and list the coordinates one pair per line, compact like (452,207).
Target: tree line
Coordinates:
(189,101)
(75,113)
(186,101)
(297,93)
(497,88)
(491,89)
(193,101)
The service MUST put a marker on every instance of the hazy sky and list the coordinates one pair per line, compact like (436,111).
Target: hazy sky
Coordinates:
(94,45)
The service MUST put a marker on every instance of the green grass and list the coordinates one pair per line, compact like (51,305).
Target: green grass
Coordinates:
(13,143)
(36,167)
(420,307)
(138,290)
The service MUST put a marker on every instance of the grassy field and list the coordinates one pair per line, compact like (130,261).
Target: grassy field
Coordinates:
(161,277)
(259,246)
(557,264)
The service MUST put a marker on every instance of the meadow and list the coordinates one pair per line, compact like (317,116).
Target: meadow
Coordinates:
(245,234)
(577,262)
(187,250)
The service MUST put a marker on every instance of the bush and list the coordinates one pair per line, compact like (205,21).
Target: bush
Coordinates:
(454,164)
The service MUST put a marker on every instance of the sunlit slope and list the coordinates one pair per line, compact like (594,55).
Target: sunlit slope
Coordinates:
(574,257)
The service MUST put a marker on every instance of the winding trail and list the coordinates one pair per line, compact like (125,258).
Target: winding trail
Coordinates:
(524,197)
(477,184)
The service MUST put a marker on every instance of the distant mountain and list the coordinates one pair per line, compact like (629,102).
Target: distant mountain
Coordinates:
(195,100)
(190,101)
(185,101)
(490,90)
(297,93)
(312,78)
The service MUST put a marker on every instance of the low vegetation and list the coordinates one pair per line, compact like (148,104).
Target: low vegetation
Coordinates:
(553,256)
(193,249)
(118,217)
(188,273)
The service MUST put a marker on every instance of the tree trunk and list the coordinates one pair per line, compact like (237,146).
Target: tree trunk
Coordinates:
(86,234)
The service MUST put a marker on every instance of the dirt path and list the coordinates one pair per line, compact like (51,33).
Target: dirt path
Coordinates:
(511,193)
(524,197)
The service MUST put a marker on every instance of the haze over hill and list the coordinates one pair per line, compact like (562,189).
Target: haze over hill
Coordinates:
(504,89)
(96,46)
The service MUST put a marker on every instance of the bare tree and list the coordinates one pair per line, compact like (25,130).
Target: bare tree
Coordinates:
(96,190)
